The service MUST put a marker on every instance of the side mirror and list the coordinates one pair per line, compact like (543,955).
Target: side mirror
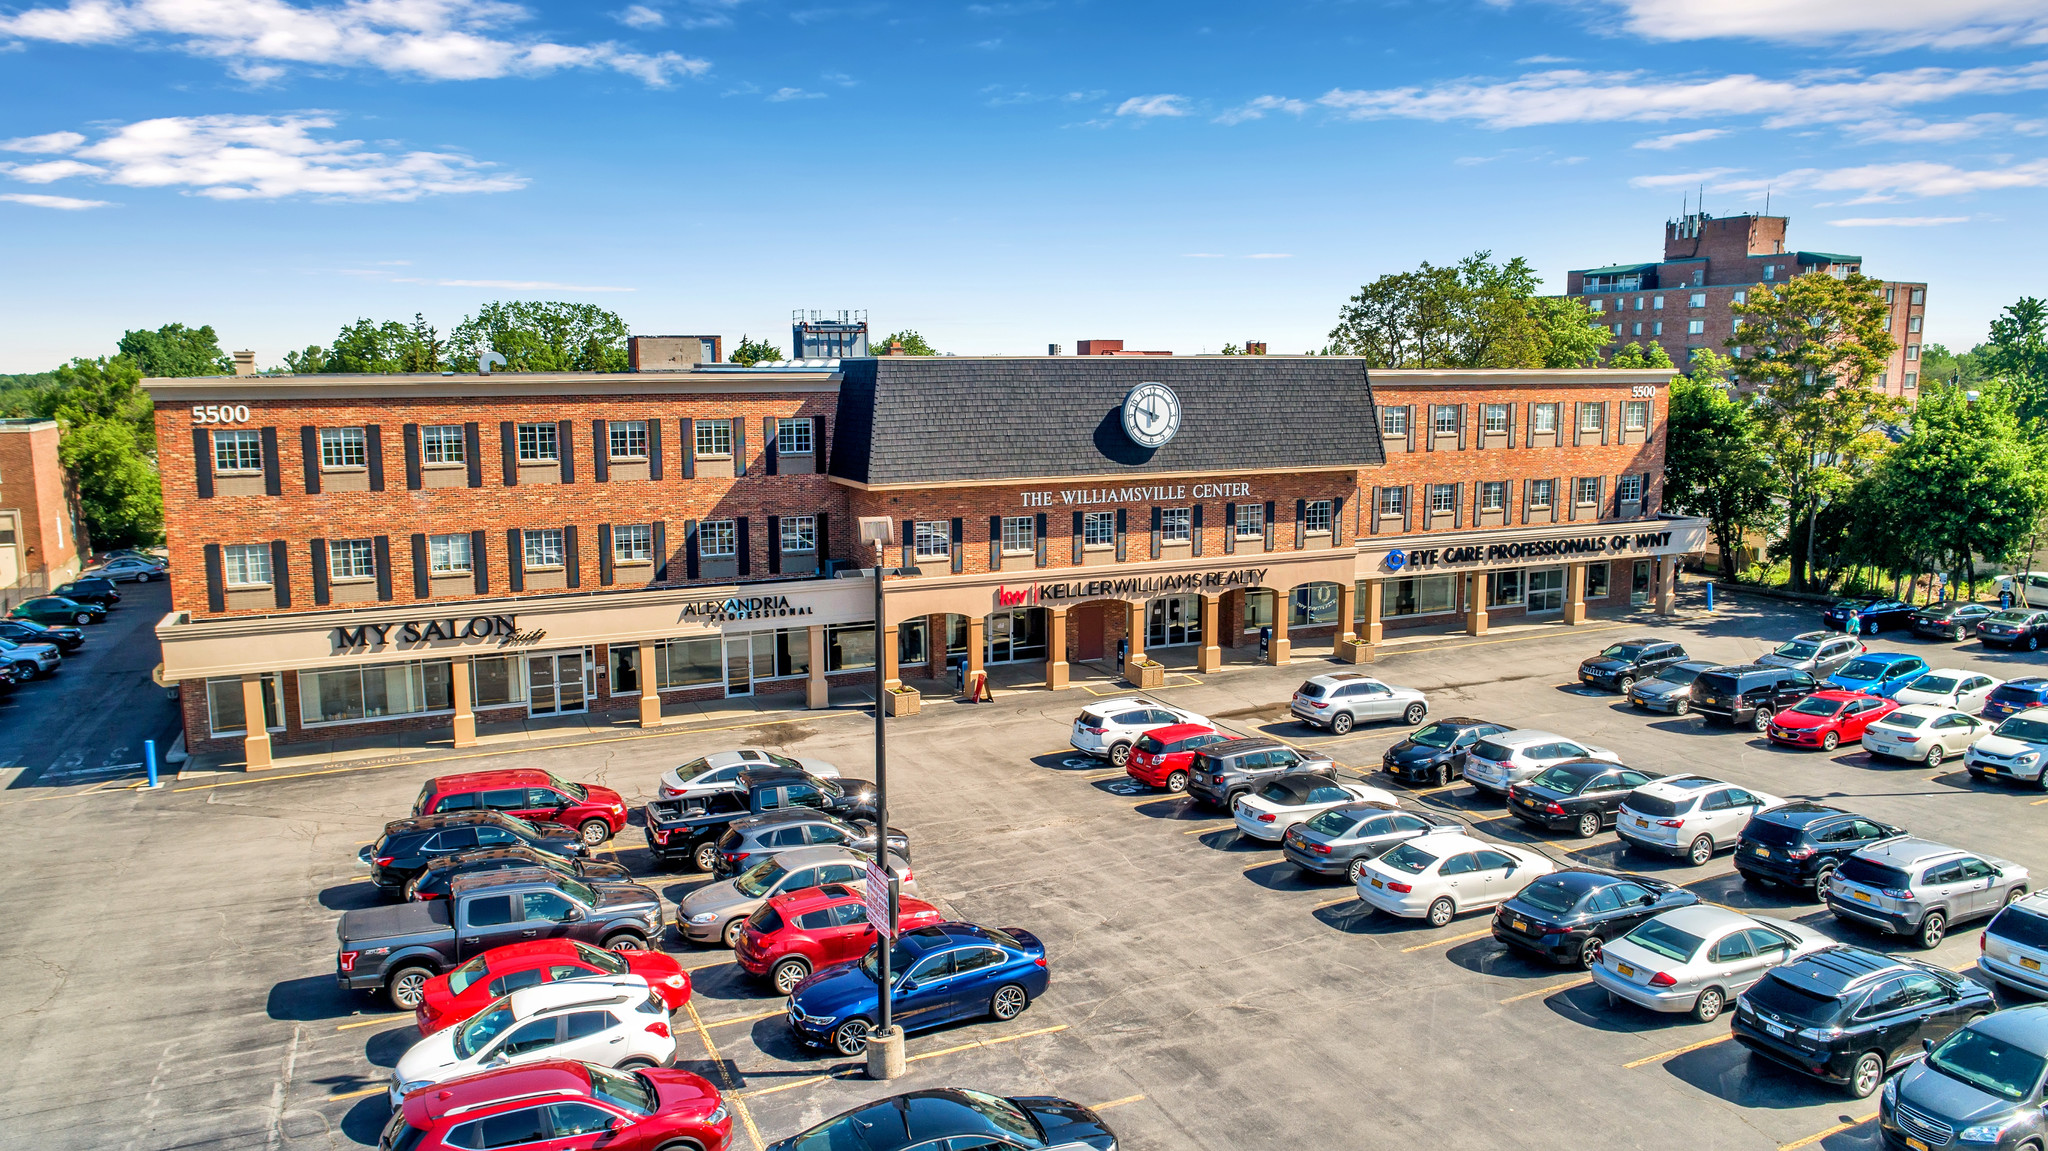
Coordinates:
(907,984)
(1927,1045)
(575,915)
(1648,900)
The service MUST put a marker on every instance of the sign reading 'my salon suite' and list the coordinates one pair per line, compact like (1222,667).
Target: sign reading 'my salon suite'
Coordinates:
(502,630)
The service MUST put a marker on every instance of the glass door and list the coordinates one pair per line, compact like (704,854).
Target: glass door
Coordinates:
(569,682)
(1001,637)
(1173,621)
(1546,590)
(1639,586)
(554,683)
(739,666)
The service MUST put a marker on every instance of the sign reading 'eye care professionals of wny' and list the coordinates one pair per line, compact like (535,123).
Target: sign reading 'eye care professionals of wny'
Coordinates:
(1526,550)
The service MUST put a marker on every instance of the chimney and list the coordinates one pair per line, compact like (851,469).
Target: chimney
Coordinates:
(1052,349)
(245,363)
(1097,347)
(896,348)
(1255,347)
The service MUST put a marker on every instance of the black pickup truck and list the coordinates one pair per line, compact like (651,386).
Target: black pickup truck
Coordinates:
(396,949)
(689,827)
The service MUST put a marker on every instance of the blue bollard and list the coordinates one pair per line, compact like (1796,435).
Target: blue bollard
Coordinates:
(149,759)
(1710,595)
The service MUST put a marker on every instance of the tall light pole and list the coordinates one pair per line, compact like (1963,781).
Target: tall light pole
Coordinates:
(885,1044)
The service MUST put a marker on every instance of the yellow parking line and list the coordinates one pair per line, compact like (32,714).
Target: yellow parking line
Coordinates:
(791,1085)
(985,1043)
(2037,802)
(747,1018)
(725,1077)
(1162,797)
(1548,990)
(708,966)
(1335,902)
(355,1094)
(1837,1129)
(1452,939)
(1116,1103)
(1207,830)
(392,1018)
(1690,1047)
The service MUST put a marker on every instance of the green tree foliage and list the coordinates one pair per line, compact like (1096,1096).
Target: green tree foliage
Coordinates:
(309,362)
(119,497)
(1473,314)
(103,390)
(750,351)
(2017,353)
(366,346)
(1968,482)
(1633,356)
(541,336)
(1717,465)
(1572,334)
(176,350)
(913,344)
(1939,365)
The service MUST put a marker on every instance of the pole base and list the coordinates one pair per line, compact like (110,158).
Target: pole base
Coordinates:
(885,1054)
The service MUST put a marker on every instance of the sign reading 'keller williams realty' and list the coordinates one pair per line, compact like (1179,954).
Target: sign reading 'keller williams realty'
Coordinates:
(1141,585)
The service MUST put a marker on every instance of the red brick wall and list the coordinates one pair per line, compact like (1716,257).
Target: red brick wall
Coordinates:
(32,481)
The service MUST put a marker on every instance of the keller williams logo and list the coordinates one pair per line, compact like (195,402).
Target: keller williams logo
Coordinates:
(1011,597)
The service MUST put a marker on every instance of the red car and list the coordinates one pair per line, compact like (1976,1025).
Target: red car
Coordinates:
(1160,757)
(449,999)
(1828,719)
(560,1105)
(531,794)
(795,934)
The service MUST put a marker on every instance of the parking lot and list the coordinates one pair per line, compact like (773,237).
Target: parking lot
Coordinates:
(172,953)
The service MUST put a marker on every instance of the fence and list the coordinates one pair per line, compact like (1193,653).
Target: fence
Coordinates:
(28,587)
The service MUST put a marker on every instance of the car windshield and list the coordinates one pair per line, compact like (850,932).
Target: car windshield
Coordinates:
(760,879)
(1549,895)
(577,890)
(520,825)
(1621,651)
(1665,940)
(2016,615)
(626,1090)
(573,789)
(1435,735)
(1333,822)
(1408,858)
(1815,705)
(460,978)
(1150,746)
(1004,1115)
(1780,997)
(1564,780)
(609,962)
(478,1033)
(2030,730)
(1938,684)
(1863,669)
(1797,649)
(783,761)
(1680,675)
(900,959)
(1993,1065)
(1905,719)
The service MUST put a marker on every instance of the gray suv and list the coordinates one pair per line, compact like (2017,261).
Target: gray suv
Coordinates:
(1980,1087)
(1221,772)
(1916,887)
(1819,654)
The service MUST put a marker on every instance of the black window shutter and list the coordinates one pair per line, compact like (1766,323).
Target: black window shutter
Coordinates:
(604,554)
(411,435)
(959,548)
(1337,521)
(1408,508)
(1458,505)
(309,458)
(1649,505)
(775,544)
(1428,428)
(825,539)
(1270,525)
(660,533)
(318,549)
(1157,515)
(202,461)
(1229,528)
(654,449)
(909,542)
(515,559)
(1606,419)
(216,580)
(479,559)
(1511,425)
(572,557)
(273,483)
(565,447)
(1195,528)
(473,451)
(1043,543)
(1372,511)
(601,453)
(689,448)
(1121,524)
(1300,524)
(746,548)
(739,445)
(381,546)
(1077,537)
(995,543)
(280,572)
(373,454)
(690,549)
(818,443)
(508,443)
(1461,427)
(422,574)
(771,446)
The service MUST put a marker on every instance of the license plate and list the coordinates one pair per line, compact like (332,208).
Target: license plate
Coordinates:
(1860,895)
(1641,822)
(1764,852)
(1915,1144)
(1521,925)
(1625,970)
(2031,964)
(1776,1031)
(1377,883)
(1990,770)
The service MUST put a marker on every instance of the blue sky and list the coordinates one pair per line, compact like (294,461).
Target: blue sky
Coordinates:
(998,175)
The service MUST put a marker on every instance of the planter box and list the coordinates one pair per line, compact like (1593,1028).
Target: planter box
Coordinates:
(1147,676)
(903,701)
(1354,651)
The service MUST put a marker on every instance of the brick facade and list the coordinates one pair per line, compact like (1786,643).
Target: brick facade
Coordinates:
(34,487)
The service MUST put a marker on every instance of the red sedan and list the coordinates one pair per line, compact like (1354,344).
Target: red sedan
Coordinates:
(1160,757)
(563,1106)
(1828,719)
(451,998)
(795,934)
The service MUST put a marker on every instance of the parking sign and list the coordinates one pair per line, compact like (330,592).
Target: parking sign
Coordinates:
(877,899)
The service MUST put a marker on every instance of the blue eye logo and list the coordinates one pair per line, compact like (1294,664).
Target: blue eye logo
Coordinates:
(1396,560)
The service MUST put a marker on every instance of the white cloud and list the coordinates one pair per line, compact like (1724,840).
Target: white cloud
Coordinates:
(1675,139)
(431,39)
(48,142)
(1874,183)
(1909,130)
(1887,24)
(1162,105)
(640,16)
(1899,221)
(263,158)
(1257,109)
(61,203)
(1544,60)
(782,94)
(1682,179)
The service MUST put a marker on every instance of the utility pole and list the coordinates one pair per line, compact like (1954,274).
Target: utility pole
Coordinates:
(885,1043)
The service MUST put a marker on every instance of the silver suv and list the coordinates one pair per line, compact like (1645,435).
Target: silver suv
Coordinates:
(1500,761)
(1916,887)
(1107,730)
(1817,653)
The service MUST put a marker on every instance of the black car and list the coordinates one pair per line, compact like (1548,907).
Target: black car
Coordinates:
(1801,844)
(1565,916)
(408,845)
(1983,1084)
(1849,1016)
(757,837)
(957,1118)
(1221,772)
(1953,621)
(440,873)
(90,589)
(67,639)
(1873,616)
(1750,693)
(1581,794)
(1436,753)
(2022,627)
(1620,665)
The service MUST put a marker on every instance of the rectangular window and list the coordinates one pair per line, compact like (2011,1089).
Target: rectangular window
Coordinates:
(448,554)
(1421,595)
(1617,329)
(498,679)
(442,444)
(1496,419)
(1699,299)
(1695,327)
(1912,351)
(1316,516)
(542,548)
(1588,489)
(246,564)
(1020,535)
(1443,498)
(718,539)
(1912,323)
(934,539)
(1597,305)
(225,714)
(1912,379)
(1590,416)
(1637,330)
(793,437)
(628,439)
(1735,325)
(1741,296)
(237,452)
(1504,588)
(1393,501)
(1656,303)
(1540,493)
(849,646)
(1770,271)
(714,437)
(1919,296)
(1657,329)
(1493,496)
(634,543)
(1635,416)
(1543,418)
(1596,580)
(1393,423)
(342,448)
(1098,529)
(1630,489)
(345,694)
(537,444)
(1444,420)
(799,534)
(351,559)
(1176,525)
(1251,521)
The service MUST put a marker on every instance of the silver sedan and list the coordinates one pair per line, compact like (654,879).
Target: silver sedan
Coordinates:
(1699,958)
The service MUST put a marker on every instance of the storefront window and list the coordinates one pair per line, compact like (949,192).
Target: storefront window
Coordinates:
(1546,590)
(1596,580)
(495,680)
(1503,588)
(849,647)
(913,641)
(1421,595)
(225,715)
(1258,608)
(1171,621)
(1639,587)
(793,651)
(689,663)
(376,691)
(1313,604)
(625,668)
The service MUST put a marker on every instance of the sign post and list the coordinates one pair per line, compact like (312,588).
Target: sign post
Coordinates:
(885,1043)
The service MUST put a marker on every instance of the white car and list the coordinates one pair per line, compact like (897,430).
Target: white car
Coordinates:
(2015,749)
(1692,816)
(1500,761)
(611,1020)
(1965,691)
(1699,958)
(1347,698)
(1286,800)
(1107,730)
(1924,733)
(1436,877)
(720,771)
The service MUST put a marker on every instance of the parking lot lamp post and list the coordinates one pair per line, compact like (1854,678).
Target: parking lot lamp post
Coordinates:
(885,1044)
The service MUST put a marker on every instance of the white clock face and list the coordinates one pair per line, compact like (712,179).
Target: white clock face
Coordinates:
(1151,414)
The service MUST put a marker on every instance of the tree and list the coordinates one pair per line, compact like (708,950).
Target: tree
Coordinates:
(176,350)
(309,362)
(542,336)
(119,496)
(913,344)
(2018,354)
(107,389)
(1716,463)
(751,352)
(367,346)
(1938,364)
(423,347)
(1633,356)
(1817,344)
(1474,314)
(1572,333)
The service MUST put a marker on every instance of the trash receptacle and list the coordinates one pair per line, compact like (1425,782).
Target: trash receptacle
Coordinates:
(1123,652)
(959,665)
(1265,642)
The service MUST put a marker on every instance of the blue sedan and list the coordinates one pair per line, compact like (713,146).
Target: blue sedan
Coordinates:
(945,972)
(1879,673)
(1872,615)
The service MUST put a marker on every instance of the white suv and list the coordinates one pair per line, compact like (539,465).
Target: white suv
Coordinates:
(1347,697)
(1512,757)
(1107,730)
(1688,815)
(614,1021)
(2015,749)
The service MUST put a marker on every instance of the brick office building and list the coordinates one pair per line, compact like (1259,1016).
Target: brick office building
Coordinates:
(1712,263)
(355,555)
(39,527)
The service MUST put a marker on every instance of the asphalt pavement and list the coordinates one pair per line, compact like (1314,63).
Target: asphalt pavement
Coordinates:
(84,725)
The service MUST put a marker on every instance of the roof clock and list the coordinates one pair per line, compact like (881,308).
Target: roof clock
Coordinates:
(1151,414)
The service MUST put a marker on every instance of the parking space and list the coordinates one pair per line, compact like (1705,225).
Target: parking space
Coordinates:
(1208,993)
(84,725)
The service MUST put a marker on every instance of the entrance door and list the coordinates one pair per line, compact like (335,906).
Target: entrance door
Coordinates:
(1639,584)
(1089,620)
(1546,590)
(554,683)
(1002,632)
(739,666)
(1173,621)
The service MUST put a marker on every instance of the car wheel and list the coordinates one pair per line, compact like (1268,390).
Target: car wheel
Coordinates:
(595,831)
(408,986)
(636,1063)
(1867,1076)
(1414,713)
(2013,896)
(1707,1007)
(141,577)
(1441,912)
(733,930)
(1872,628)
(23,672)
(1008,1002)
(2041,780)
(1830,741)
(1119,754)
(1589,952)
(625,941)
(1356,871)
(1760,719)
(1624,683)
(1956,634)
(706,856)
(1340,724)
(2033,643)
(788,974)
(1589,825)
(1684,707)
(1177,782)
(851,1037)
(1443,775)
(82,618)
(1932,929)
(1821,878)
(1934,755)
(1701,852)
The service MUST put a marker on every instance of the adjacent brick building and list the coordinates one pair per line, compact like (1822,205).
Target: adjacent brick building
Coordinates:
(39,528)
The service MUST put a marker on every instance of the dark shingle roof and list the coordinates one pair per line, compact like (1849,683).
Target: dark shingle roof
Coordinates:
(916,419)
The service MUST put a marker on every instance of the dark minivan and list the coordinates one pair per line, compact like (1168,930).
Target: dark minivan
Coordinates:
(1801,844)
(1749,693)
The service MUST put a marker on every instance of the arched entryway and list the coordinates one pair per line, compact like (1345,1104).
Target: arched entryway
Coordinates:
(1014,635)
(1173,621)
(1315,616)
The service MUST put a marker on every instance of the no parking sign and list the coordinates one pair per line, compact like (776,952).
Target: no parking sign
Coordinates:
(877,899)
